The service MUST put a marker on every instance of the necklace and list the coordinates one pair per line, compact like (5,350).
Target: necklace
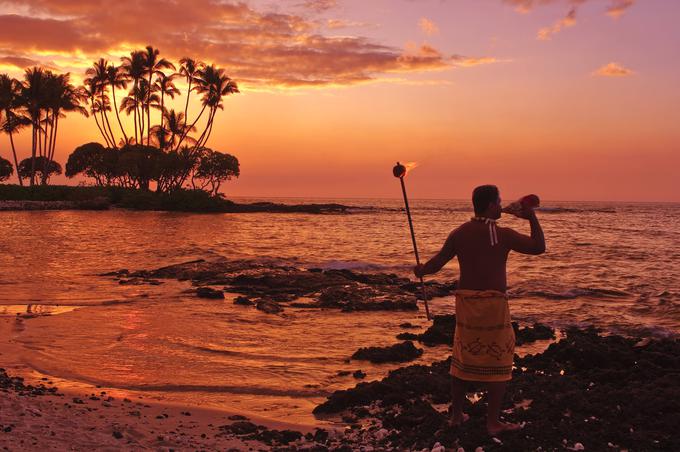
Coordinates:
(493,234)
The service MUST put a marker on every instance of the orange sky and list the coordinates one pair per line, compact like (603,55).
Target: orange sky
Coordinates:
(570,99)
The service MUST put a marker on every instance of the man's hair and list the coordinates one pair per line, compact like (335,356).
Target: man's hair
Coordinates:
(482,196)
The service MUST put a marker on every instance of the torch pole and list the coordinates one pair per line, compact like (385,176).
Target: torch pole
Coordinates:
(415,247)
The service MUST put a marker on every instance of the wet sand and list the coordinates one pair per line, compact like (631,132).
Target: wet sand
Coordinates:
(37,415)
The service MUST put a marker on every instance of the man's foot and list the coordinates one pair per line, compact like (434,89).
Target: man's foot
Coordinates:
(501,427)
(455,421)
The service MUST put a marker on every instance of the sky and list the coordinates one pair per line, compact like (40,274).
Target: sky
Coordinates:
(568,99)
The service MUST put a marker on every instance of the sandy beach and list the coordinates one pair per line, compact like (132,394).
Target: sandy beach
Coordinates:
(37,415)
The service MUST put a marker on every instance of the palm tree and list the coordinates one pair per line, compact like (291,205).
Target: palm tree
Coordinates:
(214,86)
(166,87)
(153,65)
(90,92)
(64,98)
(133,68)
(32,97)
(98,73)
(116,79)
(174,127)
(9,103)
(189,69)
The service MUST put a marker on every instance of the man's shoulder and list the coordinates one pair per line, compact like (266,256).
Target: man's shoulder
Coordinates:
(461,229)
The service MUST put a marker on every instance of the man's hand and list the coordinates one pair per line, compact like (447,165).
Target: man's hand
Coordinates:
(419,271)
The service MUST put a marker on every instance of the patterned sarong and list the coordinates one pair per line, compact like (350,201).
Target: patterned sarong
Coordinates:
(484,341)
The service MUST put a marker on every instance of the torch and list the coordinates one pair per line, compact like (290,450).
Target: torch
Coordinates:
(399,172)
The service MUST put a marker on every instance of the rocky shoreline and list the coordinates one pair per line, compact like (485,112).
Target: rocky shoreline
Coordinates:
(103,203)
(279,286)
(585,391)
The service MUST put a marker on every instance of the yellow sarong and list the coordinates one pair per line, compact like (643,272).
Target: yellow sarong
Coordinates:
(484,341)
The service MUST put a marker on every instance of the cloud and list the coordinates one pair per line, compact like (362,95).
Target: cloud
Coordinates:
(18,62)
(257,48)
(319,6)
(615,9)
(464,61)
(619,7)
(569,20)
(613,70)
(335,24)
(428,27)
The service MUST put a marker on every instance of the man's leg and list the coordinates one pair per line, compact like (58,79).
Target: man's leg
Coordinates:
(457,399)
(496,390)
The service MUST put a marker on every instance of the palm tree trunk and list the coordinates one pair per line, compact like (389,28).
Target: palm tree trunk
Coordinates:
(162,107)
(186,106)
(98,126)
(113,90)
(199,142)
(54,140)
(33,151)
(47,124)
(113,138)
(134,91)
(16,161)
(109,142)
(186,132)
(48,144)
(148,110)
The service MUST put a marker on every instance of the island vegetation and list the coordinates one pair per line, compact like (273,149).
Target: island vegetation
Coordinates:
(165,150)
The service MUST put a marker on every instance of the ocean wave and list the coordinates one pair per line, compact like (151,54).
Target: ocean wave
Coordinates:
(349,265)
(254,356)
(570,294)
(573,210)
(245,390)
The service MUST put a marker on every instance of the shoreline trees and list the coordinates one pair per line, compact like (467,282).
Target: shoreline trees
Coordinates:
(165,147)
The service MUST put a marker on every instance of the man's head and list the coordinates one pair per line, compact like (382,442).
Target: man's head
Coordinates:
(487,201)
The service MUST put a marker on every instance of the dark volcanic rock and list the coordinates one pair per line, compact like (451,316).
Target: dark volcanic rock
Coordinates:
(433,289)
(249,431)
(240,428)
(440,332)
(208,292)
(532,333)
(17,385)
(602,392)
(269,306)
(342,289)
(398,353)
(359,374)
(243,301)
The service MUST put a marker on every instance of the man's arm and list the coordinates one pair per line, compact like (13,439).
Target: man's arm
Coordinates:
(440,259)
(527,245)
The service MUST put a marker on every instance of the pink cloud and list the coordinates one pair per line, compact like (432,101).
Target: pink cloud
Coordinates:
(256,47)
(613,70)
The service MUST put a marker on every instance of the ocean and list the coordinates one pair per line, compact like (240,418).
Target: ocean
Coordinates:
(615,266)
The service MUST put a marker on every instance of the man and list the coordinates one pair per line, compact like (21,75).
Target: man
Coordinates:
(484,342)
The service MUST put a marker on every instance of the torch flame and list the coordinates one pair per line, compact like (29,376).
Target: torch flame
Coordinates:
(410,166)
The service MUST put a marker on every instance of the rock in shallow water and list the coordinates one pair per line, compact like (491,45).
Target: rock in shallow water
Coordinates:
(243,301)
(398,353)
(269,306)
(208,292)
(343,289)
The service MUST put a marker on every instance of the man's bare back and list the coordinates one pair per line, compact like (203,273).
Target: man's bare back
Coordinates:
(482,265)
